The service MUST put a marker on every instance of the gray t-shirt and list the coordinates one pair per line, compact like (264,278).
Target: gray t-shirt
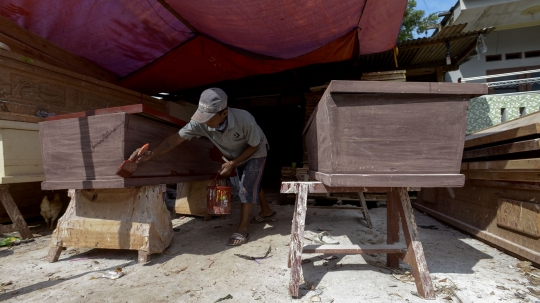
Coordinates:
(242,131)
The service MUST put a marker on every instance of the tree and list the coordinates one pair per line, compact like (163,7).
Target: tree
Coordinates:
(414,20)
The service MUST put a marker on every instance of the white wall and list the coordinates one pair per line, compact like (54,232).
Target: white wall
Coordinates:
(501,42)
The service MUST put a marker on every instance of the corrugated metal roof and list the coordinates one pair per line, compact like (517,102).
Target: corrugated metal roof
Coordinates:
(427,52)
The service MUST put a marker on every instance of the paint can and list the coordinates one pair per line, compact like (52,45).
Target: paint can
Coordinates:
(218,199)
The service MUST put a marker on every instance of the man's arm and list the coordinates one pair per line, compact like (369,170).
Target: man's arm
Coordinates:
(166,145)
(227,168)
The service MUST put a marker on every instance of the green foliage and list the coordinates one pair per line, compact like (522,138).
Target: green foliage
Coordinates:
(414,20)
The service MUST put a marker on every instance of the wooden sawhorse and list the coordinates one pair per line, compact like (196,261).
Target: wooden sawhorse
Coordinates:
(116,218)
(398,206)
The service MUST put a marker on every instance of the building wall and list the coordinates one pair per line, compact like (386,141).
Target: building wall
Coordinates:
(486,111)
(501,42)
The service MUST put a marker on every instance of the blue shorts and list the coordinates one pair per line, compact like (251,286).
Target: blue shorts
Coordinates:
(250,176)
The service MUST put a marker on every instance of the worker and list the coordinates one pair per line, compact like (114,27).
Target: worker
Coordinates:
(236,134)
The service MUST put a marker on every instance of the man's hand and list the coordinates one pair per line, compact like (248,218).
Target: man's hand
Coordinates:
(144,157)
(227,168)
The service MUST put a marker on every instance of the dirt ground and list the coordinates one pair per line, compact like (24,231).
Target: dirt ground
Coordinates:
(198,267)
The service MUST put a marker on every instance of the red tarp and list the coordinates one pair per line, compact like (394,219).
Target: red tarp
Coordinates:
(151,51)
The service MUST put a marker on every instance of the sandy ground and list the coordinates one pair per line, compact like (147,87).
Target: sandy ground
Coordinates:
(198,267)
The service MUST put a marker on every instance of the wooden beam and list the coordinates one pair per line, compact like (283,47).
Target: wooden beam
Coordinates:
(516,147)
(24,42)
(525,126)
(178,16)
(504,165)
(355,249)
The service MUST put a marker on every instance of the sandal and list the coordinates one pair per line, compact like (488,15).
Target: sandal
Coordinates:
(238,238)
(259,219)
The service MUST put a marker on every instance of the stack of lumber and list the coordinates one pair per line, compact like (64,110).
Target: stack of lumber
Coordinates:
(288,174)
(31,88)
(500,202)
(395,75)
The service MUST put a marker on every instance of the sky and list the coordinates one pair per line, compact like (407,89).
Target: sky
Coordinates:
(432,6)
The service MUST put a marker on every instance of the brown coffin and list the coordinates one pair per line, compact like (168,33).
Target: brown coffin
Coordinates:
(369,133)
(84,150)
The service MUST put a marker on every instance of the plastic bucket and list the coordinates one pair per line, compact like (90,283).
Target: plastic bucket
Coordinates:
(218,200)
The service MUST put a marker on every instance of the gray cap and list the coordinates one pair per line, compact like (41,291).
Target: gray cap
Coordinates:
(212,101)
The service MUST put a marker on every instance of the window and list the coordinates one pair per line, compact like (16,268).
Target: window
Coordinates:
(490,58)
(522,111)
(532,54)
(503,114)
(512,56)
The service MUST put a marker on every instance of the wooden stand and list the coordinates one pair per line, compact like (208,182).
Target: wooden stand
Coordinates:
(123,218)
(14,214)
(399,206)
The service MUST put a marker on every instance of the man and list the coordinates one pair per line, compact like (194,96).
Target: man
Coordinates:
(236,134)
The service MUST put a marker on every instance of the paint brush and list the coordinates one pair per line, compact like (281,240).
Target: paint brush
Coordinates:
(129,166)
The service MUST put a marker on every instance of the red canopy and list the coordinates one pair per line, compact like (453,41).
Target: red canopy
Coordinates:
(150,50)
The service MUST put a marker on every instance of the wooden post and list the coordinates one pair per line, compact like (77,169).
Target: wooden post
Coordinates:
(415,253)
(14,214)
(392,226)
(365,210)
(297,238)
(143,257)
(54,253)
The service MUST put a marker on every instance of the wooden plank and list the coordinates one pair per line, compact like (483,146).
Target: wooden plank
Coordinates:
(7,116)
(507,184)
(392,226)
(415,255)
(297,239)
(473,89)
(519,216)
(365,210)
(394,180)
(118,182)
(26,43)
(476,205)
(493,239)
(510,148)
(14,213)
(140,109)
(519,176)
(355,249)
(503,165)
(320,188)
(525,126)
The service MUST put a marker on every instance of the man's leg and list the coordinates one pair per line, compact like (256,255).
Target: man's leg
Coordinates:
(265,207)
(251,175)
(244,221)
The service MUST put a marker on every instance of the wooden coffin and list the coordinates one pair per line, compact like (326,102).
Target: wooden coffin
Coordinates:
(84,150)
(500,202)
(368,133)
(20,153)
